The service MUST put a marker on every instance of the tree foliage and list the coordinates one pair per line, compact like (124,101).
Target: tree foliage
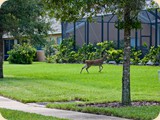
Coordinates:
(24,20)
(67,10)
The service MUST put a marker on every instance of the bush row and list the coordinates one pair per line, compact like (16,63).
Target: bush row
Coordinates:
(65,53)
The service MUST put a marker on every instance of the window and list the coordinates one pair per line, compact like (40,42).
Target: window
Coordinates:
(133,42)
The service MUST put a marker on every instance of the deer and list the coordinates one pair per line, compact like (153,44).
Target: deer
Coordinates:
(96,62)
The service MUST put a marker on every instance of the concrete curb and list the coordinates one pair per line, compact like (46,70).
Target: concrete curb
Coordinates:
(15,105)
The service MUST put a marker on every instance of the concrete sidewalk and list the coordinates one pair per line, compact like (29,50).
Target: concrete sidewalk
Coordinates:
(15,105)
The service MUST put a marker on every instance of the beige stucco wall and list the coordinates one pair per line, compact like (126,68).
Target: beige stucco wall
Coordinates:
(54,37)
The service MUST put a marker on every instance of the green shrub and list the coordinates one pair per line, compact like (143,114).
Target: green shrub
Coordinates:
(64,52)
(103,46)
(72,57)
(135,56)
(21,54)
(50,59)
(50,49)
(153,55)
(115,55)
(145,59)
(87,52)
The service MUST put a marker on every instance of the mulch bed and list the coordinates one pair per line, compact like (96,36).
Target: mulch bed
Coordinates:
(118,104)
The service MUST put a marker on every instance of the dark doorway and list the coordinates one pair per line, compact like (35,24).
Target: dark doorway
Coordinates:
(8,45)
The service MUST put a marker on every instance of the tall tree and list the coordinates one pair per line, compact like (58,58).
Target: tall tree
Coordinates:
(127,12)
(22,19)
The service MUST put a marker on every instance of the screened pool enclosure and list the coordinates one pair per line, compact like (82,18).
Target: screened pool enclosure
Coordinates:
(103,29)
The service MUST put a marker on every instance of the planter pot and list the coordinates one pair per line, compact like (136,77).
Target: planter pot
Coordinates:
(40,55)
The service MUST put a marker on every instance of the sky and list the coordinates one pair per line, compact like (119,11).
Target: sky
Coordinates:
(1,1)
(158,1)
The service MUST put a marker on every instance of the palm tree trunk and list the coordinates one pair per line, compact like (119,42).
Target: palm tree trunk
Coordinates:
(126,98)
(1,55)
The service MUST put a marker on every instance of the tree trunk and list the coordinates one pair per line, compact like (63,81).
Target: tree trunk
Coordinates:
(126,99)
(1,55)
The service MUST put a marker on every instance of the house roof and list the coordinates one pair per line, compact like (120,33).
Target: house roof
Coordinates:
(55,26)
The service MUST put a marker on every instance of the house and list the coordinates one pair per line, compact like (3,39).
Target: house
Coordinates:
(103,28)
(10,41)
(55,35)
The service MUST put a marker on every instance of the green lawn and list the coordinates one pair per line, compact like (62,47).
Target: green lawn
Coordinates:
(42,82)
(17,115)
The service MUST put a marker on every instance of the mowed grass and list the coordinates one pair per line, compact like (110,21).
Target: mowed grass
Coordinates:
(18,115)
(63,82)
(43,82)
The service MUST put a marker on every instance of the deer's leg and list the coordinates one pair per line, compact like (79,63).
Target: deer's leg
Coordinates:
(100,68)
(85,66)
